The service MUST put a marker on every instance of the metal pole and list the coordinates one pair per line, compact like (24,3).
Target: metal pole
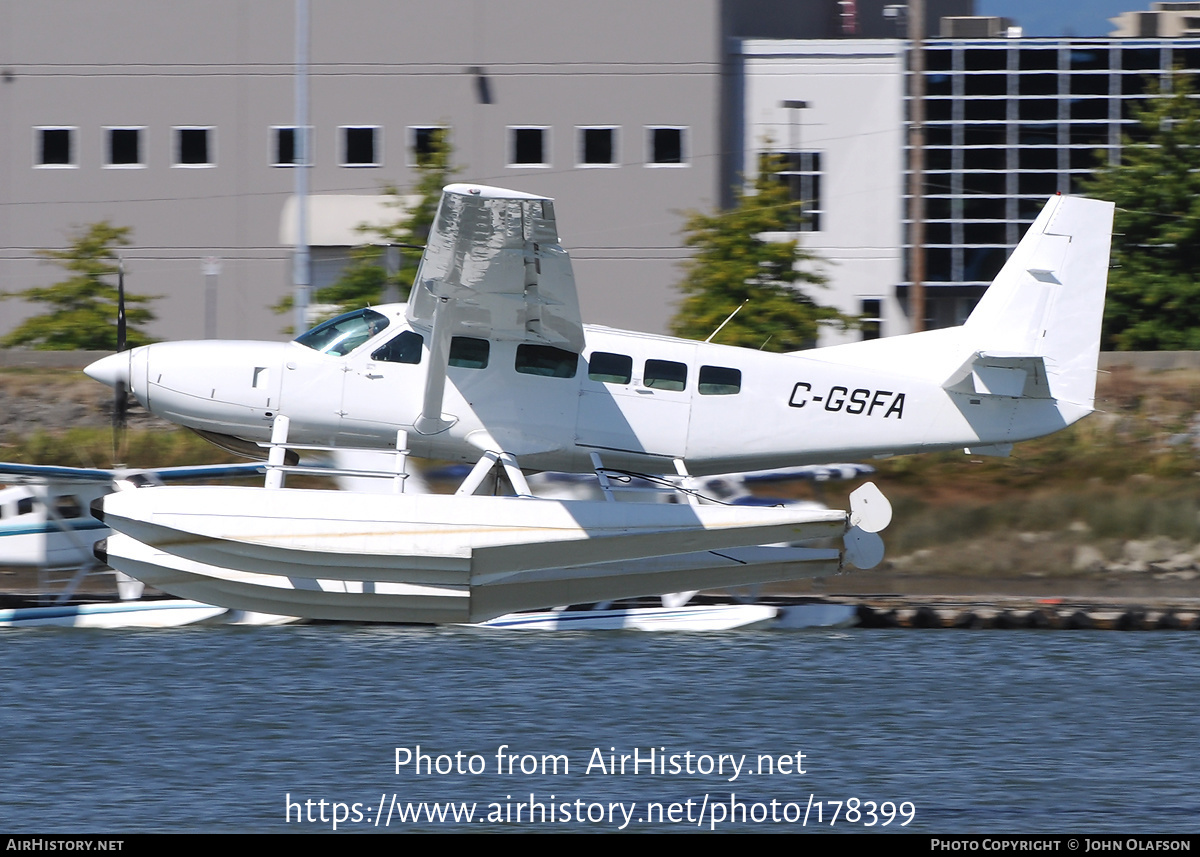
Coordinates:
(916,211)
(301,262)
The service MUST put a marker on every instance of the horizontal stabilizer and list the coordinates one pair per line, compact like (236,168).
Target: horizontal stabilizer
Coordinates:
(991,373)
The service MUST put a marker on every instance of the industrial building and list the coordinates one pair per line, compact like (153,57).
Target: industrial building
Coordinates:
(177,120)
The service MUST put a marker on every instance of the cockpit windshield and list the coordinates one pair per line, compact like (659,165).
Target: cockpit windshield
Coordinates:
(343,334)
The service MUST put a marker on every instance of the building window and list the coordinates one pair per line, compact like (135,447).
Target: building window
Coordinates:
(193,147)
(124,148)
(55,148)
(529,147)
(361,146)
(283,146)
(666,147)
(424,142)
(872,318)
(802,174)
(597,147)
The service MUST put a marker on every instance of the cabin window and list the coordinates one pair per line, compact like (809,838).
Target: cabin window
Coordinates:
(719,381)
(665,375)
(68,506)
(405,348)
(343,334)
(25,506)
(467,352)
(546,360)
(610,368)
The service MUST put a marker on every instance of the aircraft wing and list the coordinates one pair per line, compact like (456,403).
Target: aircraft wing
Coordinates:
(93,474)
(49,471)
(493,269)
(207,471)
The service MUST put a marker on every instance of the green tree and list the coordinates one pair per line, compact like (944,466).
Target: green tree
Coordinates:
(82,310)
(737,261)
(364,281)
(1154,288)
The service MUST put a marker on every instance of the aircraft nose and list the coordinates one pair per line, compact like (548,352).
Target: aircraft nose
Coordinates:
(109,370)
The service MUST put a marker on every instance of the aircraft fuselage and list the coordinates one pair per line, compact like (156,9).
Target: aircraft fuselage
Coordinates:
(491,355)
(639,400)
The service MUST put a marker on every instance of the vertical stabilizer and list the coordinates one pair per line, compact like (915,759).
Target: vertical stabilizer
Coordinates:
(1048,300)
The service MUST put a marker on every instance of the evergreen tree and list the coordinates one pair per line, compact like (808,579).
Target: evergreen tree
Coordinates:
(1154,288)
(737,260)
(364,281)
(82,310)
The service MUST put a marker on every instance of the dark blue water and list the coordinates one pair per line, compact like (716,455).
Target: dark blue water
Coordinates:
(217,729)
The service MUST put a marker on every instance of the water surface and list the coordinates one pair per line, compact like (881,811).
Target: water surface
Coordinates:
(216,729)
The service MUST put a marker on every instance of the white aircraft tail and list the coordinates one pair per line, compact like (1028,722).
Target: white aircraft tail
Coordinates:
(1037,328)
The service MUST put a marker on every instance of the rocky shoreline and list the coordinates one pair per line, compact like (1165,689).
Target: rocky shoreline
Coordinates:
(54,399)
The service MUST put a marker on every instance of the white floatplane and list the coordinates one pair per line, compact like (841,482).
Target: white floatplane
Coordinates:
(490,362)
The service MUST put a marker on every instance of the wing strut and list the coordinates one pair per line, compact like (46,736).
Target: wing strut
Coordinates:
(483,469)
(89,561)
(602,475)
(432,420)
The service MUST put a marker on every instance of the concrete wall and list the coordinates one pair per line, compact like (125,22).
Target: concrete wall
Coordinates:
(854,92)
(227,65)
